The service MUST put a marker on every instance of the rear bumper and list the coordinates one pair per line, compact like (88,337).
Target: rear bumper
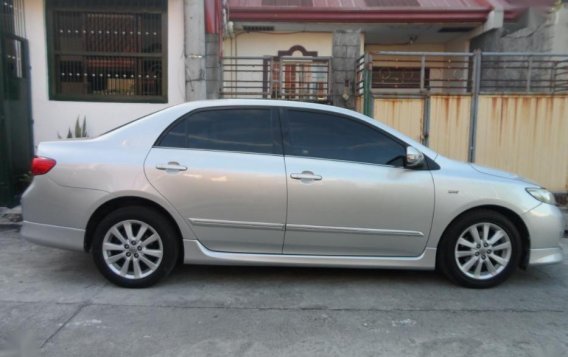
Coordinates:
(53,236)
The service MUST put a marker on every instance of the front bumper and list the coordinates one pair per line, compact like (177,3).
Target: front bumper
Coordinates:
(53,236)
(545,224)
(545,256)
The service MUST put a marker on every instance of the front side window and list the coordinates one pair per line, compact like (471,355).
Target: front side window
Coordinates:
(104,50)
(238,130)
(328,136)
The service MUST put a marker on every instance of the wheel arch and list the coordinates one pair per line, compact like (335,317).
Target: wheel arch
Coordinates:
(126,201)
(512,216)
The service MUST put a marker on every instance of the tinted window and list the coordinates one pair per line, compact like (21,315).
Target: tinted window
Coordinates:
(321,135)
(244,130)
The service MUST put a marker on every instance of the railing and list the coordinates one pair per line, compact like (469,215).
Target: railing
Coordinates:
(396,73)
(408,71)
(524,72)
(305,79)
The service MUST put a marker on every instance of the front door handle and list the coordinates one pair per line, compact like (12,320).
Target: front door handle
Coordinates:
(306,175)
(171,166)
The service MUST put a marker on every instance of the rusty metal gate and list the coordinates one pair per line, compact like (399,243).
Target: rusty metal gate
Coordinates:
(505,110)
(16,141)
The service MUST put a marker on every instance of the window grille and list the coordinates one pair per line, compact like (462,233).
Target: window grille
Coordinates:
(103,50)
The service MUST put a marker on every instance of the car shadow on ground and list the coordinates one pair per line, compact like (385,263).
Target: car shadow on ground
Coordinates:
(261,274)
(308,276)
(59,266)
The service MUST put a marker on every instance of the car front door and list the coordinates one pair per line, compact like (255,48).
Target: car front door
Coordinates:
(348,192)
(223,170)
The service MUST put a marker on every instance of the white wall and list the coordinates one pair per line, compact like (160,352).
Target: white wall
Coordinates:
(269,43)
(458,45)
(52,117)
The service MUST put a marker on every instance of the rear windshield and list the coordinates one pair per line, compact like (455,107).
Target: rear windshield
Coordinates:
(130,122)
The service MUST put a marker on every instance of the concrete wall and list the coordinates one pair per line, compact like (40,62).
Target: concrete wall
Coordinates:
(536,33)
(560,30)
(532,33)
(195,50)
(52,117)
(346,50)
(212,66)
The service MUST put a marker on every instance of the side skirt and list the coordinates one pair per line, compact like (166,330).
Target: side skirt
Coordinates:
(196,253)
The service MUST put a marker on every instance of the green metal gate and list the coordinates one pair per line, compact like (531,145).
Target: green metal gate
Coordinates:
(16,139)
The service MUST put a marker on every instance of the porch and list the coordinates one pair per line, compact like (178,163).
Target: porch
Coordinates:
(299,78)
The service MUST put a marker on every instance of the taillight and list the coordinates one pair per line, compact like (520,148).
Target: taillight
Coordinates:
(42,165)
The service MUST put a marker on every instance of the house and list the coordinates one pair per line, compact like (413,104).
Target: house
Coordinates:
(342,31)
(107,62)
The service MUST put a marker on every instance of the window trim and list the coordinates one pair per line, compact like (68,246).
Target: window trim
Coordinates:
(275,117)
(286,135)
(51,63)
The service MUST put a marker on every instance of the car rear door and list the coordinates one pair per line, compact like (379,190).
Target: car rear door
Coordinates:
(348,192)
(223,170)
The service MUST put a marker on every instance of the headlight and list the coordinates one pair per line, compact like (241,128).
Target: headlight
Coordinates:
(542,195)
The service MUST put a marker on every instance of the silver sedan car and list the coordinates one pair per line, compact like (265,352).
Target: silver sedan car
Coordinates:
(260,182)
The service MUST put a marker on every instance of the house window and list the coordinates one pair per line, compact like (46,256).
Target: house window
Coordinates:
(103,50)
(399,78)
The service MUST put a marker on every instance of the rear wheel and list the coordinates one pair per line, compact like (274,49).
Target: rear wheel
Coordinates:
(135,247)
(480,249)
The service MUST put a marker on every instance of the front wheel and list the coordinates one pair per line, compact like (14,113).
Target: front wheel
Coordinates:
(135,247)
(480,250)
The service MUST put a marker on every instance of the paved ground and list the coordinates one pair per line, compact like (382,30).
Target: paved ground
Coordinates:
(60,304)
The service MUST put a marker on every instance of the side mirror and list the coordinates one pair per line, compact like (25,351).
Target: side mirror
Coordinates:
(414,158)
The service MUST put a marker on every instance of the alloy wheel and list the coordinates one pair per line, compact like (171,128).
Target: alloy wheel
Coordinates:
(132,249)
(483,251)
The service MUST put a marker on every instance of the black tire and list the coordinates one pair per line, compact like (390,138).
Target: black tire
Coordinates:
(156,221)
(448,264)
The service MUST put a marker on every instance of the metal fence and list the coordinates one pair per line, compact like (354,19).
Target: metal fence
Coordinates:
(400,73)
(523,72)
(305,79)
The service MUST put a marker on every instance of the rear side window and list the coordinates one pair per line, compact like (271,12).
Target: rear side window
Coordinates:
(328,136)
(240,130)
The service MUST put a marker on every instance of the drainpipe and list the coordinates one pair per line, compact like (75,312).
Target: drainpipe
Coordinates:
(194,40)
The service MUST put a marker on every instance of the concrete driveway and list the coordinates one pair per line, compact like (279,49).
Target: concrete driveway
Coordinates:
(60,304)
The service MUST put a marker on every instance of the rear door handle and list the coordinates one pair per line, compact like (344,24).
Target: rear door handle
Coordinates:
(171,166)
(306,175)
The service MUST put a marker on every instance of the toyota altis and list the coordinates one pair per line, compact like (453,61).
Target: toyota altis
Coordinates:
(260,182)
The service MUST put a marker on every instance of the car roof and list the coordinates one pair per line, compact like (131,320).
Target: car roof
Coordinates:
(265,102)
